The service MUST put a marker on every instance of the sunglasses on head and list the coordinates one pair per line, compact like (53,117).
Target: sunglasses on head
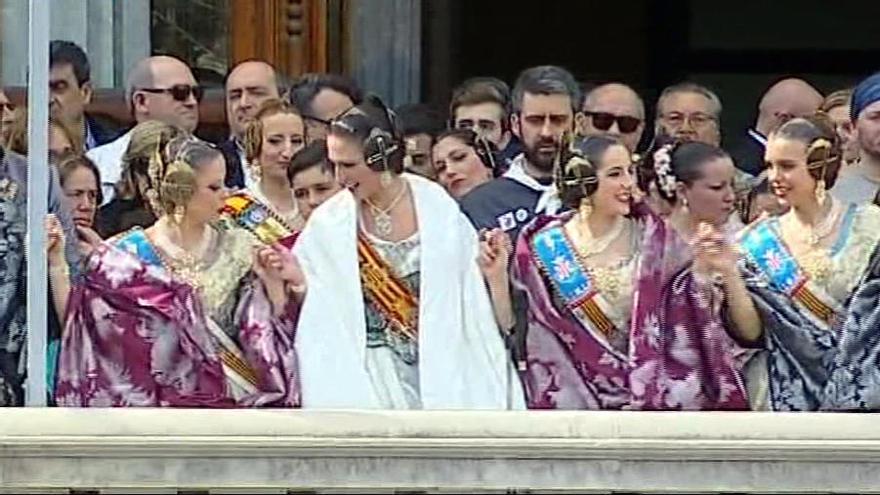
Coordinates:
(603,121)
(180,92)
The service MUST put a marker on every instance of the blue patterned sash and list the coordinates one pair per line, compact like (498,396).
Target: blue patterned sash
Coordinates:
(136,243)
(766,250)
(571,281)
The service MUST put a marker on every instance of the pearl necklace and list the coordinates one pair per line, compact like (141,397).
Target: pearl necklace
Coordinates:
(382,216)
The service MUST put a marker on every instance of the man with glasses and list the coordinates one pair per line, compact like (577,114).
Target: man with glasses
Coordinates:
(322,98)
(158,88)
(784,100)
(70,90)
(248,85)
(483,105)
(613,110)
(689,112)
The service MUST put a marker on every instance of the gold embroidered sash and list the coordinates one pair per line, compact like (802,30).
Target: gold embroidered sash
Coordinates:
(389,294)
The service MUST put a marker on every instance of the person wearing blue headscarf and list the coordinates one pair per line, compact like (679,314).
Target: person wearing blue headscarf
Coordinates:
(860,183)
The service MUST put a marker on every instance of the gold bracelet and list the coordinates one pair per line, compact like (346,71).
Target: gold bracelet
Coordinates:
(60,270)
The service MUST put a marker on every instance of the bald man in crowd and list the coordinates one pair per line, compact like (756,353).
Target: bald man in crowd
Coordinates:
(248,85)
(785,100)
(158,88)
(614,110)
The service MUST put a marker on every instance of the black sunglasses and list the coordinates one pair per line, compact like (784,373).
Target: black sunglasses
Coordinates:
(180,92)
(327,123)
(603,121)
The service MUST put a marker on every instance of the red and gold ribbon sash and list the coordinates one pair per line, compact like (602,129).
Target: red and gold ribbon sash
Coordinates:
(391,296)
(814,304)
(590,308)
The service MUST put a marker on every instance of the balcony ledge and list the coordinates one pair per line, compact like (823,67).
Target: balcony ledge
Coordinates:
(58,449)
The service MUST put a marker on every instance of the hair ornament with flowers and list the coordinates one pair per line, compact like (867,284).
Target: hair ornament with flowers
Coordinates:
(663,168)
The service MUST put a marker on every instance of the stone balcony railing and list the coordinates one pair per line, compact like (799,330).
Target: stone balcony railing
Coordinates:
(276,451)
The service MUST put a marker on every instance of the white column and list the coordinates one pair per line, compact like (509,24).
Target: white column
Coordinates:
(38,192)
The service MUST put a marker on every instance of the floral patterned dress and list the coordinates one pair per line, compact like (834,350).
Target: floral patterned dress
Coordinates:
(143,332)
(802,301)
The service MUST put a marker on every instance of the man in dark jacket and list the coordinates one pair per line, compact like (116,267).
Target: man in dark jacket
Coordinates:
(248,85)
(70,90)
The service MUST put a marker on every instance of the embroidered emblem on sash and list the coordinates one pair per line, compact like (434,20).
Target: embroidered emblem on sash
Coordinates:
(258,219)
(570,280)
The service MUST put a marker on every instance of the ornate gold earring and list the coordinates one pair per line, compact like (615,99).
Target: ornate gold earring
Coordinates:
(179,212)
(385,179)
(820,191)
(585,209)
(685,205)
(256,170)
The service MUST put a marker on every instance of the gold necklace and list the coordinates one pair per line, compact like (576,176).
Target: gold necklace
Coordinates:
(609,279)
(185,265)
(590,246)
(820,230)
(382,216)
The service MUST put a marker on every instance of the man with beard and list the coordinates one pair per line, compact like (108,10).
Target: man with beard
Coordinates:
(860,183)
(545,100)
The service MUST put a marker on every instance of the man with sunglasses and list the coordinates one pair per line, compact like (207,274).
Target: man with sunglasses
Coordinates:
(158,88)
(784,100)
(613,110)
(322,98)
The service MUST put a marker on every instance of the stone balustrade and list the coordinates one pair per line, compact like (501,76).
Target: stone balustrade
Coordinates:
(276,451)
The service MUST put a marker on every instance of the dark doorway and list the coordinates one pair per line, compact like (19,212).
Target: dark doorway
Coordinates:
(736,48)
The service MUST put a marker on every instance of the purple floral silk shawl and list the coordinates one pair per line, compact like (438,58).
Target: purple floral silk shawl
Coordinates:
(679,354)
(136,336)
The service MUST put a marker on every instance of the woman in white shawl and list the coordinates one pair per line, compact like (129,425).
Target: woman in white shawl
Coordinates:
(396,314)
